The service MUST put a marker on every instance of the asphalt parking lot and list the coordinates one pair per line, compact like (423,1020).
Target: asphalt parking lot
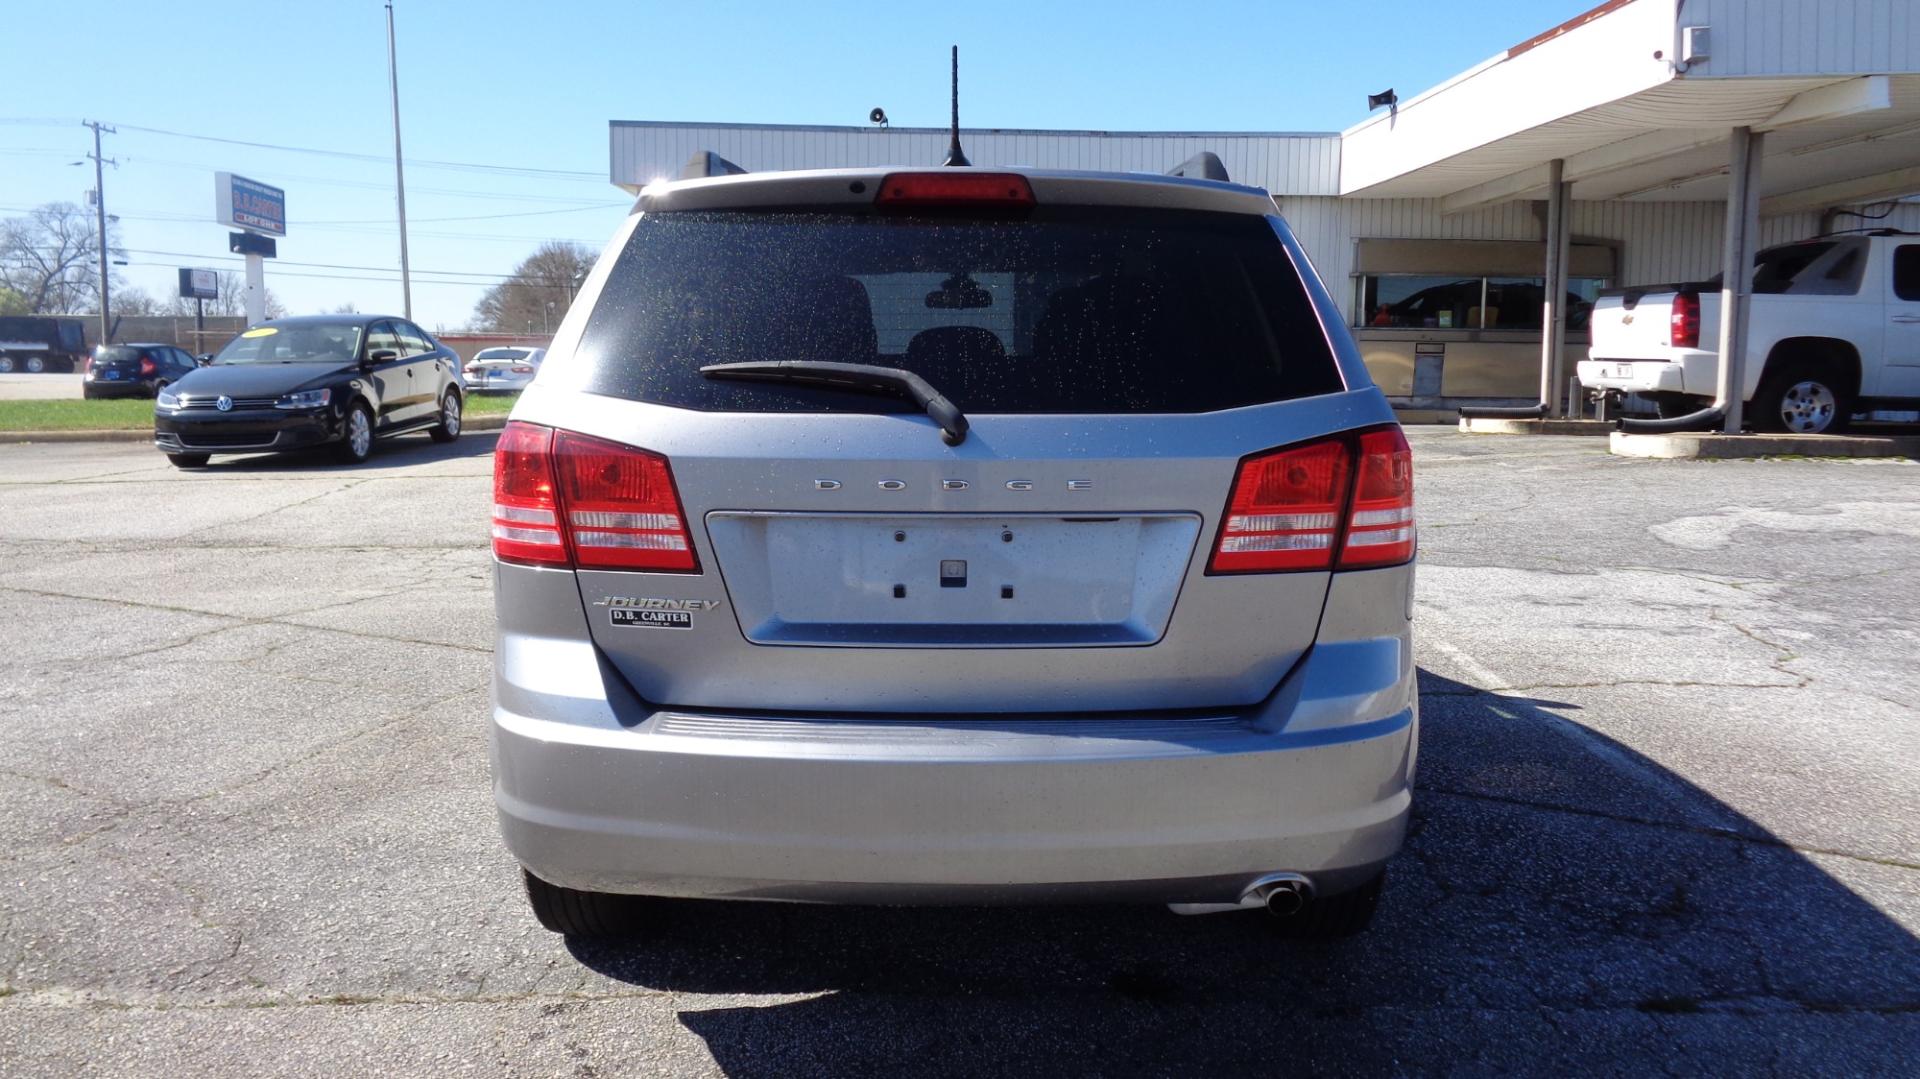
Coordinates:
(1669,809)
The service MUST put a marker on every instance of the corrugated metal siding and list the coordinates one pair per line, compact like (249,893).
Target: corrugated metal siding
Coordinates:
(1281,163)
(1806,37)
(1658,241)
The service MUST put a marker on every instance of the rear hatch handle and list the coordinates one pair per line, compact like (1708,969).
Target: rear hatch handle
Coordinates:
(855,378)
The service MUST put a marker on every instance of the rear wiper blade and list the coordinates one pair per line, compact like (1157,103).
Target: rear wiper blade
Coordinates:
(855,378)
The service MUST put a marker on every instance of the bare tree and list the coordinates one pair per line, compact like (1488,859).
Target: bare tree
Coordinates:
(539,292)
(135,302)
(51,258)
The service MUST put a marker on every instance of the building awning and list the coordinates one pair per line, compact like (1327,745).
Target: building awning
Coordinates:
(1637,97)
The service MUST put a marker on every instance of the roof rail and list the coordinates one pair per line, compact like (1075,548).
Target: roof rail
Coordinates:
(708,163)
(1204,165)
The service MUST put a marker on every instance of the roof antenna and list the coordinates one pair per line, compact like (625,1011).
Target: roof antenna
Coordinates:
(955,155)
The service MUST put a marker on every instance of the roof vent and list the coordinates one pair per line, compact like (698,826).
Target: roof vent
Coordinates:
(1204,165)
(707,163)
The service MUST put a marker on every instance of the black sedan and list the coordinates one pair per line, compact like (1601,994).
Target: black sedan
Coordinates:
(291,383)
(133,370)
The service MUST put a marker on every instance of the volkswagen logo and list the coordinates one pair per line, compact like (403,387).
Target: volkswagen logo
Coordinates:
(223,403)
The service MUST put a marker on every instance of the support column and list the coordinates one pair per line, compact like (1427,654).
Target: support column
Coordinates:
(256,289)
(1551,311)
(1736,282)
(1557,329)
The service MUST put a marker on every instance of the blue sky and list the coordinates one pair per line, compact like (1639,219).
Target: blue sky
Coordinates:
(532,86)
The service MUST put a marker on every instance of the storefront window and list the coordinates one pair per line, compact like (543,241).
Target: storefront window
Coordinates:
(1414,301)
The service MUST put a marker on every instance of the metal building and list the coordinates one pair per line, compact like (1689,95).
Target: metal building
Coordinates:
(1625,123)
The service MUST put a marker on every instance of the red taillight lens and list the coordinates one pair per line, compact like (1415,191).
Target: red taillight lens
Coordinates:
(954,188)
(522,369)
(564,499)
(526,512)
(1686,320)
(622,510)
(1284,513)
(146,366)
(1380,526)
(1293,509)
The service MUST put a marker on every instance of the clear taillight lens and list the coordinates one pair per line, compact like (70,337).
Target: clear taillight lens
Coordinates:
(1344,502)
(565,499)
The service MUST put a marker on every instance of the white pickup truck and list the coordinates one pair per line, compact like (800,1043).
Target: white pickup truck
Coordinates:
(1834,332)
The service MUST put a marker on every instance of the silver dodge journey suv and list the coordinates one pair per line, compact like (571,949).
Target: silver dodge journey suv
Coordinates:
(954,536)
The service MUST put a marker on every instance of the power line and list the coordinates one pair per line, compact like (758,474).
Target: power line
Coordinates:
(462,166)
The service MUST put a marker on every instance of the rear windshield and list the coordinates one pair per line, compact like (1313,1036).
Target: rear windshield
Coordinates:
(501,354)
(116,354)
(1073,310)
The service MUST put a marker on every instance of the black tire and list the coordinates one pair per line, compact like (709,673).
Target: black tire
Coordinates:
(1803,397)
(356,434)
(1335,917)
(448,428)
(160,387)
(575,913)
(87,394)
(34,365)
(8,365)
(189,460)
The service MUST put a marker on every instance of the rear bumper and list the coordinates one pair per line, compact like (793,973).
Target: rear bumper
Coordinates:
(599,791)
(1691,372)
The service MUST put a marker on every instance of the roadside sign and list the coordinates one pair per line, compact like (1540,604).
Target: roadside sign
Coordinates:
(199,284)
(249,204)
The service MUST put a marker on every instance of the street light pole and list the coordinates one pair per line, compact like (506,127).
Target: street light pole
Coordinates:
(100,218)
(399,174)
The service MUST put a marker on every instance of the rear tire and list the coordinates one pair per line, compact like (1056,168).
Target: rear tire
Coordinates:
(356,436)
(575,913)
(1336,917)
(6,365)
(448,428)
(1803,397)
(1672,406)
(160,387)
(189,460)
(36,365)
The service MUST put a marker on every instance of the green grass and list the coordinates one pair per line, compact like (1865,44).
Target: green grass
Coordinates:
(136,414)
(126,414)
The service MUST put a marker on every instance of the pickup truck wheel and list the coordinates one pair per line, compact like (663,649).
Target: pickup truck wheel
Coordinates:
(575,913)
(1336,916)
(1802,399)
(1672,406)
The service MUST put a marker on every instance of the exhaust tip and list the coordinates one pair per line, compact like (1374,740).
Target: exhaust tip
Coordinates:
(1286,899)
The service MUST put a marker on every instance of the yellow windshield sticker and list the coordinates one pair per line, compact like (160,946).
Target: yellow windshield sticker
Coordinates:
(264,331)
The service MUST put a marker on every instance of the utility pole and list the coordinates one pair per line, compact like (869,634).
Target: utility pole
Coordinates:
(399,175)
(100,218)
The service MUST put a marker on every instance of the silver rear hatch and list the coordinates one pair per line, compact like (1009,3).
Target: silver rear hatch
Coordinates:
(1116,363)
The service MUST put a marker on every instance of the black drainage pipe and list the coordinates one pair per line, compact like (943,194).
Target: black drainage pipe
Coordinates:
(1711,418)
(1527,412)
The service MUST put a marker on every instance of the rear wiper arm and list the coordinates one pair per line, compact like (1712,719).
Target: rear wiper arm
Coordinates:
(854,378)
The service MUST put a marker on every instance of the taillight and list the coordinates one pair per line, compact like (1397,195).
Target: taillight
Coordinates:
(1686,320)
(564,499)
(622,510)
(522,369)
(146,365)
(954,188)
(1380,525)
(526,510)
(1345,500)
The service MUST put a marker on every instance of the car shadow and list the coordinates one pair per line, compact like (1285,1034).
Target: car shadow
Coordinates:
(1563,904)
(399,451)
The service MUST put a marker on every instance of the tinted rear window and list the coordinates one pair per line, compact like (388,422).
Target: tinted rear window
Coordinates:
(501,354)
(1069,310)
(116,354)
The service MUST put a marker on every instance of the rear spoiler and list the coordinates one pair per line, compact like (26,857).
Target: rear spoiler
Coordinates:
(705,163)
(1205,165)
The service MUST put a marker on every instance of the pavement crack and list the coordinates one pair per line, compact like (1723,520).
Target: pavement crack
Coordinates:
(1755,838)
